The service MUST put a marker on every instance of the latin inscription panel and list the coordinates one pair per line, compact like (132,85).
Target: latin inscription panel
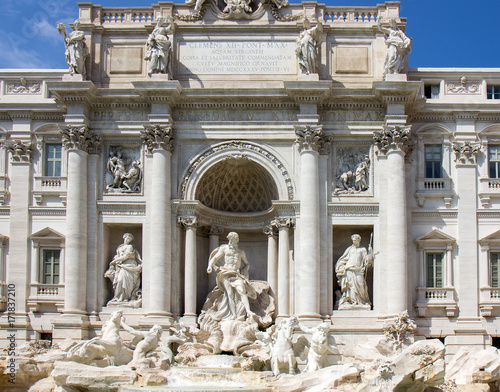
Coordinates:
(237,57)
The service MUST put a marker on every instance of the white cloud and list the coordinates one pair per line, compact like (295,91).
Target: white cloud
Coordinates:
(47,30)
(17,57)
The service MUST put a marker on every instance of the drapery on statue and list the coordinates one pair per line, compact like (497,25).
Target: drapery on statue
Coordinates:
(125,273)
(361,182)
(124,179)
(306,47)
(351,274)
(76,48)
(398,47)
(159,47)
(232,280)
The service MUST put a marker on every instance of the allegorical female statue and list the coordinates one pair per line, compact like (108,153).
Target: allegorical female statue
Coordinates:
(76,48)
(398,47)
(306,47)
(351,273)
(125,273)
(159,47)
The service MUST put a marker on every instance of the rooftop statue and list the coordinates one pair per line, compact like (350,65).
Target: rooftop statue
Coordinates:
(125,273)
(159,47)
(351,273)
(307,45)
(398,47)
(76,48)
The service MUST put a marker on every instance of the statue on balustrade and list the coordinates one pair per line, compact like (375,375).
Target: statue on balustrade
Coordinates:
(398,47)
(307,45)
(125,273)
(159,47)
(351,270)
(76,48)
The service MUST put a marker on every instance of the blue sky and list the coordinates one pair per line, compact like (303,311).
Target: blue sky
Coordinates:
(446,33)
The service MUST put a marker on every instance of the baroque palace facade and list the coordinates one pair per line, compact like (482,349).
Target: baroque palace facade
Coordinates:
(263,121)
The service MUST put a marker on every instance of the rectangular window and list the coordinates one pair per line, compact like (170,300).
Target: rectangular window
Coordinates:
(53,160)
(433,161)
(435,270)
(494,269)
(493,92)
(50,271)
(494,161)
(431,91)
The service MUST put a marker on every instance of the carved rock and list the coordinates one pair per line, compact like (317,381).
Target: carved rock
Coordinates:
(474,366)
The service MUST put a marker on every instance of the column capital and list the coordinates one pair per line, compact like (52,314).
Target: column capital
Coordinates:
(188,222)
(215,230)
(271,229)
(21,152)
(80,138)
(311,138)
(285,223)
(393,138)
(158,137)
(466,152)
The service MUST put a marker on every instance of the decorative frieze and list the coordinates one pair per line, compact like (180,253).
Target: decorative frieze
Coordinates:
(466,153)
(393,138)
(463,87)
(23,87)
(158,137)
(21,152)
(80,138)
(311,138)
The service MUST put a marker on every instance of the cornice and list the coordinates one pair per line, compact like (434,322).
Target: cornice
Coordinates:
(121,208)
(438,214)
(365,209)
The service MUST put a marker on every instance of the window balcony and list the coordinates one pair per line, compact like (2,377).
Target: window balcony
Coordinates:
(436,301)
(46,294)
(49,186)
(489,301)
(434,187)
(488,188)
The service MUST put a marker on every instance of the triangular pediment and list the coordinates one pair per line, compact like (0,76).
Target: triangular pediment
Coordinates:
(47,234)
(435,236)
(492,238)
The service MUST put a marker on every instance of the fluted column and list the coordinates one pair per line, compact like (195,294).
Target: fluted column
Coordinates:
(309,139)
(214,233)
(77,140)
(394,142)
(189,223)
(284,226)
(272,257)
(159,140)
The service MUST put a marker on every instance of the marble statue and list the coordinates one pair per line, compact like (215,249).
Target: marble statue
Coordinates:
(159,47)
(283,351)
(307,45)
(232,280)
(148,343)
(108,346)
(125,273)
(398,47)
(362,174)
(76,48)
(351,274)
(320,345)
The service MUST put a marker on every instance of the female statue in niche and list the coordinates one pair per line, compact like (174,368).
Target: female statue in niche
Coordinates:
(125,273)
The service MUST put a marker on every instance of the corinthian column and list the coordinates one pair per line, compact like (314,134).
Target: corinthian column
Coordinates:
(159,141)
(393,142)
(77,140)
(309,140)
(190,224)
(284,226)
(272,259)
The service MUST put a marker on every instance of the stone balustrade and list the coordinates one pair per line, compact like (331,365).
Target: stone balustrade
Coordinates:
(46,294)
(351,15)
(434,188)
(129,15)
(437,300)
(49,186)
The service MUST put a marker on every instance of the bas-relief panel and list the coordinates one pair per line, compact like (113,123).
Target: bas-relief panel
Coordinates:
(123,170)
(352,170)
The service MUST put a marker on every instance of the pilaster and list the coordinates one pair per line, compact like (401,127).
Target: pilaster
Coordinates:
(18,262)
(190,224)
(272,256)
(284,225)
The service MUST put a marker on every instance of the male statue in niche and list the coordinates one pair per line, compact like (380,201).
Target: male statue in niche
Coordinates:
(232,280)
(351,274)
